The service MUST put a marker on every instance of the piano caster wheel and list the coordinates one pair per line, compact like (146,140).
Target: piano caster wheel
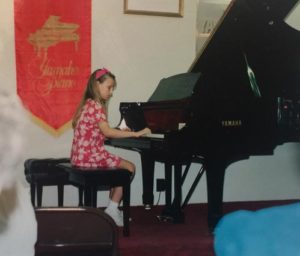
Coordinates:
(147,207)
(163,218)
(171,216)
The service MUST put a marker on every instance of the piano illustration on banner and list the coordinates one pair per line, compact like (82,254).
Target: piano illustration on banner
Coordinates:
(53,32)
(241,97)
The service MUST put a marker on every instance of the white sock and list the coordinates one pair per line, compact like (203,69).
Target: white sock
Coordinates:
(113,211)
(113,205)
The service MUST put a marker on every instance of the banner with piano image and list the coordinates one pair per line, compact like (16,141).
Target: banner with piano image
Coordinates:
(53,58)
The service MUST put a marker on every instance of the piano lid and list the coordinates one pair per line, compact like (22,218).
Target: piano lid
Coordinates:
(175,87)
(250,67)
(254,37)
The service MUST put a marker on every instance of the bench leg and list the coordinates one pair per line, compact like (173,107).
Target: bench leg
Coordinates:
(39,190)
(90,196)
(32,194)
(60,192)
(126,208)
(80,196)
(94,197)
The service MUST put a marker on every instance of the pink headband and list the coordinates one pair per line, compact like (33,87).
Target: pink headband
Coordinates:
(101,72)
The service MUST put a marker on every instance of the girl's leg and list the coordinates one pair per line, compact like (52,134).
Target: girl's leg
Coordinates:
(124,164)
(116,194)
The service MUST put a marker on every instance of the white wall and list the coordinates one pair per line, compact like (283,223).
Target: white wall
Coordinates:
(141,50)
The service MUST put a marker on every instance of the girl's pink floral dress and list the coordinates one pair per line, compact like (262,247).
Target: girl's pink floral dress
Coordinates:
(88,142)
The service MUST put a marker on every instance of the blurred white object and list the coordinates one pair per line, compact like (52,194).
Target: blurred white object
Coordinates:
(18,227)
(293,18)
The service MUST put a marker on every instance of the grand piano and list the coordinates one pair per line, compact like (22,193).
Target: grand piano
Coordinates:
(242,98)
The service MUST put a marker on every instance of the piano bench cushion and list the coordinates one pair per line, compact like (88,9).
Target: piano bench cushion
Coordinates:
(91,179)
(40,172)
(96,176)
(45,171)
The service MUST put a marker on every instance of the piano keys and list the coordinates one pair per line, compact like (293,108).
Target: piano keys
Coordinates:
(172,113)
(243,100)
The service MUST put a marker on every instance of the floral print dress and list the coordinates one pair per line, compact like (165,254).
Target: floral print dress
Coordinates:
(88,141)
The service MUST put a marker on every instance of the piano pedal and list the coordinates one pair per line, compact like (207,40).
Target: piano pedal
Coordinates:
(147,207)
(171,215)
(163,218)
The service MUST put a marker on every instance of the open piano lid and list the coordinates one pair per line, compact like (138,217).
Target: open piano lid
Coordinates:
(259,34)
(250,74)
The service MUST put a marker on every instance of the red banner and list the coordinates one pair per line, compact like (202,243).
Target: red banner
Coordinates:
(53,57)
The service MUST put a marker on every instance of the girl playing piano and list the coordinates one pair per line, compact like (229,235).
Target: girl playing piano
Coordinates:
(90,130)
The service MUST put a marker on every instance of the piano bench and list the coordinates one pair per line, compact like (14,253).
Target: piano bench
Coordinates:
(76,232)
(45,172)
(91,179)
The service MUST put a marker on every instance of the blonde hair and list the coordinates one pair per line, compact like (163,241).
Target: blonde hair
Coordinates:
(91,92)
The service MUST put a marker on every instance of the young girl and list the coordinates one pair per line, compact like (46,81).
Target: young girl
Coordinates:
(90,130)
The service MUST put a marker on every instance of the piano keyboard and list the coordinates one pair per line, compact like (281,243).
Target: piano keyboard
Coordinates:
(154,135)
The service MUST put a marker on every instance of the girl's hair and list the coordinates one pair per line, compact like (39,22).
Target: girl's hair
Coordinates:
(91,91)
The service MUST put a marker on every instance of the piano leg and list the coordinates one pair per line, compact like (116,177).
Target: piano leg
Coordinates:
(179,215)
(215,172)
(148,177)
(172,211)
(168,180)
(166,214)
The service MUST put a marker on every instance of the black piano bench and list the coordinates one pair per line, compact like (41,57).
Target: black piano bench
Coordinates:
(75,231)
(45,172)
(91,179)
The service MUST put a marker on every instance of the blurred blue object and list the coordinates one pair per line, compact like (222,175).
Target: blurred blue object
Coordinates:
(273,231)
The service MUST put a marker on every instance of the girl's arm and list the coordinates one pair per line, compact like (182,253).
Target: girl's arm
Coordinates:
(113,133)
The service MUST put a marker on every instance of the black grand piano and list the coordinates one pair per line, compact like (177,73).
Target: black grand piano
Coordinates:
(241,97)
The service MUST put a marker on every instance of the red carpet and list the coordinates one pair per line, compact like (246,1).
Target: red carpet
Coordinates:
(149,237)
